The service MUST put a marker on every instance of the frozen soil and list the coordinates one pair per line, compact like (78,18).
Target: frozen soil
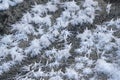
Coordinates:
(14,14)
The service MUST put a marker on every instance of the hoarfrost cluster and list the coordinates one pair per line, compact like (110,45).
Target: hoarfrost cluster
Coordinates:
(5,4)
(50,39)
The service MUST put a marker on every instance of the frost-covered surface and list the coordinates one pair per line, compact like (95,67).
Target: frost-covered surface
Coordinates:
(63,52)
(5,4)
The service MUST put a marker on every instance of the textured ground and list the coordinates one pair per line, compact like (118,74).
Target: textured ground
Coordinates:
(60,40)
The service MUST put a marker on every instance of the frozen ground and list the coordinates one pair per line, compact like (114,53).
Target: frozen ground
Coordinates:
(63,40)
